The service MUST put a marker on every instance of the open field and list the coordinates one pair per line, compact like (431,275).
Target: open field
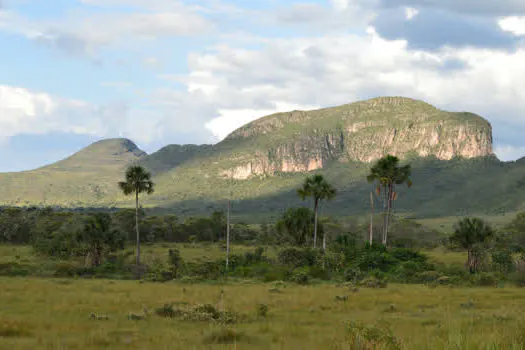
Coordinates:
(54,314)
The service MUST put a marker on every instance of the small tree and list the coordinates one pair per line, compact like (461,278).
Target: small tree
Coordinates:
(98,237)
(295,225)
(138,180)
(386,174)
(469,233)
(319,189)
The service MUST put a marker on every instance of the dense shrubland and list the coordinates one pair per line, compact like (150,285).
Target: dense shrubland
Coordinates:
(92,244)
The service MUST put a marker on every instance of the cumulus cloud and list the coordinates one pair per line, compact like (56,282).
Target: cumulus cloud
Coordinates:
(477,7)
(27,112)
(85,32)
(513,24)
(313,16)
(24,111)
(411,12)
(455,54)
(433,29)
(334,70)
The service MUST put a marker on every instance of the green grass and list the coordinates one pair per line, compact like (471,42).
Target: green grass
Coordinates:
(54,314)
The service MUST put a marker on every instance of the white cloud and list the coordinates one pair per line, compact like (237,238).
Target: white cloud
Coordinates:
(513,24)
(84,32)
(476,7)
(410,13)
(231,119)
(507,152)
(27,112)
(24,111)
(245,84)
(244,76)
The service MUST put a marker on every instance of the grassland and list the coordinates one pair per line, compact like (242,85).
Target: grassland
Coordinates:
(54,314)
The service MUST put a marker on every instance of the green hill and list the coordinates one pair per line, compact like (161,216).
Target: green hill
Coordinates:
(262,163)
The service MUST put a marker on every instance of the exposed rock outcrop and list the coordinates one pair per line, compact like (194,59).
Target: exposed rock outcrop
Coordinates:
(362,131)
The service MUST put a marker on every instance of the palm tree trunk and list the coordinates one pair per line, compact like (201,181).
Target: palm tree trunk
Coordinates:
(137,226)
(389,211)
(385,216)
(315,222)
(228,235)
(324,241)
(371,238)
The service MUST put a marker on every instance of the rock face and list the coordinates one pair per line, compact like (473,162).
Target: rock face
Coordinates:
(364,131)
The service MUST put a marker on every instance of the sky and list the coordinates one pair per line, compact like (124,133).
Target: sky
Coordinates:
(167,71)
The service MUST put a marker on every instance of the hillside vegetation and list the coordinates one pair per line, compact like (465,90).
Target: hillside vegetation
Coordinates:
(262,163)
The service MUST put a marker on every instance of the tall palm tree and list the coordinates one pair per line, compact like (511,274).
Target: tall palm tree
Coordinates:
(319,189)
(386,174)
(138,180)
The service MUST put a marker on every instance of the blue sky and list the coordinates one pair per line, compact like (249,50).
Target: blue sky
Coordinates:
(169,71)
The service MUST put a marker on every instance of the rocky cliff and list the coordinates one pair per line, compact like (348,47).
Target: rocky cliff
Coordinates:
(301,141)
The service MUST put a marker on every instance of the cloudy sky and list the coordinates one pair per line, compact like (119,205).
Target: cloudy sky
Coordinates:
(169,71)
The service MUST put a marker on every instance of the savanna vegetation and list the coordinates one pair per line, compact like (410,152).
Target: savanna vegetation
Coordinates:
(128,278)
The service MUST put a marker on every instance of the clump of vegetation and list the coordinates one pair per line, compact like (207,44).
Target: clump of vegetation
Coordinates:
(468,305)
(224,336)
(391,309)
(138,316)
(301,278)
(200,312)
(373,282)
(363,337)
(10,328)
(262,310)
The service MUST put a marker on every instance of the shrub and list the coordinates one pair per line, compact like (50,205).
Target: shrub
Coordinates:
(300,278)
(362,337)
(518,278)
(353,274)
(319,273)
(373,282)
(296,257)
(13,329)
(485,279)
(224,336)
(503,261)
(13,269)
(405,254)
(175,262)
(262,310)
(428,276)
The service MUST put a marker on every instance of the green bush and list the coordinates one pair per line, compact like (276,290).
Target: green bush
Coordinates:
(14,269)
(373,282)
(353,274)
(518,278)
(427,276)
(262,310)
(486,279)
(318,272)
(296,257)
(503,261)
(300,278)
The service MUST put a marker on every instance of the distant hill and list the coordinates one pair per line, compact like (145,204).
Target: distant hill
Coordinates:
(86,178)
(262,163)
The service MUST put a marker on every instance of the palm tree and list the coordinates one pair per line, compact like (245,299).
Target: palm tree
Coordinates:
(468,233)
(386,174)
(318,188)
(138,180)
